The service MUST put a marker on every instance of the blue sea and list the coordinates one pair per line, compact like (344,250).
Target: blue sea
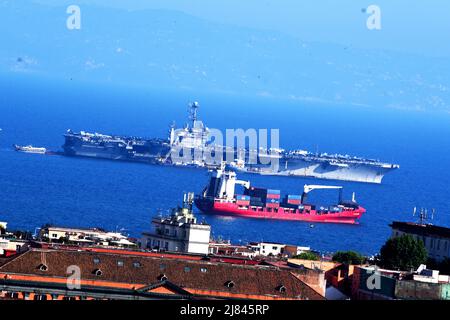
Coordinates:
(36,189)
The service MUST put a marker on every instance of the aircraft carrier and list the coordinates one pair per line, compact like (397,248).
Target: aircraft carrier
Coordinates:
(194,138)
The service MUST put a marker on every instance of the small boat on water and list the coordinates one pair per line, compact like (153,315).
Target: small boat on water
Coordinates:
(30,149)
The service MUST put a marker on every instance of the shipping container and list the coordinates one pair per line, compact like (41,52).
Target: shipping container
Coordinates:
(290,206)
(256,192)
(256,201)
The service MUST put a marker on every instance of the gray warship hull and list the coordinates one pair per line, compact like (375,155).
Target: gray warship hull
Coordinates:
(115,147)
(359,171)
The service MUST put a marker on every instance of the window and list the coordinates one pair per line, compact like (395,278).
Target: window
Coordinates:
(187,269)
(96,260)
(54,235)
(14,295)
(43,267)
(229,284)
(162,266)
(136,264)
(162,277)
(203,270)
(98,272)
(281,289)
(120,263)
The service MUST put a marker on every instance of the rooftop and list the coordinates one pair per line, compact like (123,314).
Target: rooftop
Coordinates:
(421,229)
(197,277)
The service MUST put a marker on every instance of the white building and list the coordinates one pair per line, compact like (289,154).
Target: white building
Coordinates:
(276,249)
(228,249)
(84,236)
(179,232)
(9,244)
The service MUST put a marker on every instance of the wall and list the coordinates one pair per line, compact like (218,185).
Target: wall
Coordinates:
(445,291)
(437,248)
(313,278)
(413,290)
(198,239)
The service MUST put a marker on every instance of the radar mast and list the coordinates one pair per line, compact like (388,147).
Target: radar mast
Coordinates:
(192,111)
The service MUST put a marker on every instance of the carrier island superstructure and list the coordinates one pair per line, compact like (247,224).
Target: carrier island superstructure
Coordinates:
(195,138)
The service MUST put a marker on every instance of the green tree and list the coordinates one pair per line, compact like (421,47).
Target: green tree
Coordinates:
(403,253)
(308,255)
(348,257)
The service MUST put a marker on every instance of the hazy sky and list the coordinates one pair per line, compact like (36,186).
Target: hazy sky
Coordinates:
(407,25)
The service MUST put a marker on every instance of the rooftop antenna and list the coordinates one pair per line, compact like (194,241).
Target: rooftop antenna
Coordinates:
(423,215)
(192,111)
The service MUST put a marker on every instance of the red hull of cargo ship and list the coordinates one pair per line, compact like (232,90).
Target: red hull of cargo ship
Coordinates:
(223,207)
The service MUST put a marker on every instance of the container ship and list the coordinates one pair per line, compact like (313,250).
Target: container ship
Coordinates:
(220,198)
(195,138)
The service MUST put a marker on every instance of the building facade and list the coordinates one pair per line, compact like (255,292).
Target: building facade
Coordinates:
(370,283)
(179,232)
(276,249)
(9,243)
(84,237)
(436,239)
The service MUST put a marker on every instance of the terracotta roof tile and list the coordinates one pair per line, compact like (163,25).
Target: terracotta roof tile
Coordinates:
(199,275)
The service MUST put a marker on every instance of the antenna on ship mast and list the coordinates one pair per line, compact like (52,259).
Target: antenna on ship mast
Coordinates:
(192,111)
